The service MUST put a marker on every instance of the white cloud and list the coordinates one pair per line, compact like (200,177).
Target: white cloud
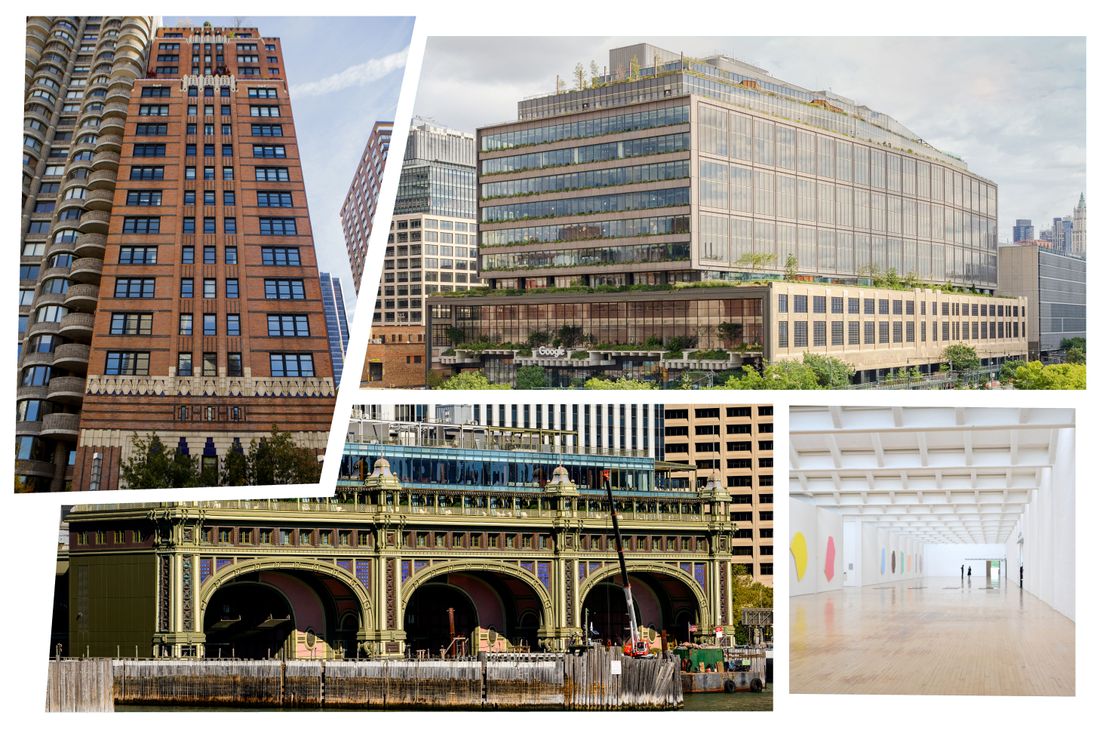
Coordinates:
(353,76)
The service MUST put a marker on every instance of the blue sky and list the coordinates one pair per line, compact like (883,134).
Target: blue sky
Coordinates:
(1012,107)
(344,73)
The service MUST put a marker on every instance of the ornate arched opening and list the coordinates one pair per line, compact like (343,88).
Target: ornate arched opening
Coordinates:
(298,610)
(496,597)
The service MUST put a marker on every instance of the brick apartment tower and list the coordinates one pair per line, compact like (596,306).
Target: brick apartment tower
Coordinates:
(79,76)
(209,328)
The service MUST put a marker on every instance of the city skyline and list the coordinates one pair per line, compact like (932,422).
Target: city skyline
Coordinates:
(333,127)
(1038,160)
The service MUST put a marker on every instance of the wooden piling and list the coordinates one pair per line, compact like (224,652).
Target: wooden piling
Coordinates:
(80,686)
(600,679)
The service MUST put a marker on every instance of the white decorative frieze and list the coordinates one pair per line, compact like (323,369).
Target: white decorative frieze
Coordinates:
(173,386)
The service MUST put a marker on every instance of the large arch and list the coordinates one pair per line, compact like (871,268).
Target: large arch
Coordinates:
(481,596)
(317,596)
(638,570)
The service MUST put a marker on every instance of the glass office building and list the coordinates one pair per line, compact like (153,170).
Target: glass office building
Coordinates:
(693,169)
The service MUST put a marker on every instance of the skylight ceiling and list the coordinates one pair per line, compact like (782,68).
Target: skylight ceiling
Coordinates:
(942,475)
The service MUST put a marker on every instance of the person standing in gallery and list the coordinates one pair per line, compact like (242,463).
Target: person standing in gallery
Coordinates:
(1021,577)
(969,570)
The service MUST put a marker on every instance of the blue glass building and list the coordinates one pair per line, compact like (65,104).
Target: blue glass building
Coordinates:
(336,320)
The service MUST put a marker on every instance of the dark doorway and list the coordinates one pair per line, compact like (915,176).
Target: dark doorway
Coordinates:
(249,621)
(427,625)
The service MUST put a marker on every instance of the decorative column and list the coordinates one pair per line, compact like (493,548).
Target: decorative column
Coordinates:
(720,532)
(562,492)
(387,638)
(179,630)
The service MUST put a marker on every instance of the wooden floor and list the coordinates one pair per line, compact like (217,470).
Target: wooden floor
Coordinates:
(930,636)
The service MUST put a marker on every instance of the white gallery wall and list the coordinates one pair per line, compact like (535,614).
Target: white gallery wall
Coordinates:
(853,547)
(821,533)
(889,556)
(1047,531)
(945,559)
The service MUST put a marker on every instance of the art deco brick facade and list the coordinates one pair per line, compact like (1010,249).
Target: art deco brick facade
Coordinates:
(209,328)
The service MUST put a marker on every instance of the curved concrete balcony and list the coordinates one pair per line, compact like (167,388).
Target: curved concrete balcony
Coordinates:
(104,179)
(118,93)
(82,298)
(31,393)
(43,327)
(77,326)
(61,424)
(34,54)
(81,147)
(50,299)
(127,60)
(140,22)
(57,45)
(34,112)
(73,203)
(96,222)
(54,272)
(89,123)
(65,389)
(60,248)
(80,165)
(109,143)
(114,110)
(41,81)
(73,357)
(114,125)
(28,427)
(90,245)
(51,71)
(86,270)
(101,200)
(105,160)
(38,358)
(130,41)
(33,468)
(38,28)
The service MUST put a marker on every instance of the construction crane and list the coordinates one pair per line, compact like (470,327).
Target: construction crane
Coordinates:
(636,647)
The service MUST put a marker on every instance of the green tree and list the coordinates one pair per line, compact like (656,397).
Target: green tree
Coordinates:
(578,76)
(635,68)
(152,466)
(831,373)
(961,357)
(531,377)
(455,335)
(277,459)
(790,268)
(755,260)
(593,74)
(1034,375)
(539,338)
(1075,342)
(1008,369)
(570,336)
(787,374)
(747,593)
(620,383)
(470,380)
(1075,355)
(729,331)
(234,469)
